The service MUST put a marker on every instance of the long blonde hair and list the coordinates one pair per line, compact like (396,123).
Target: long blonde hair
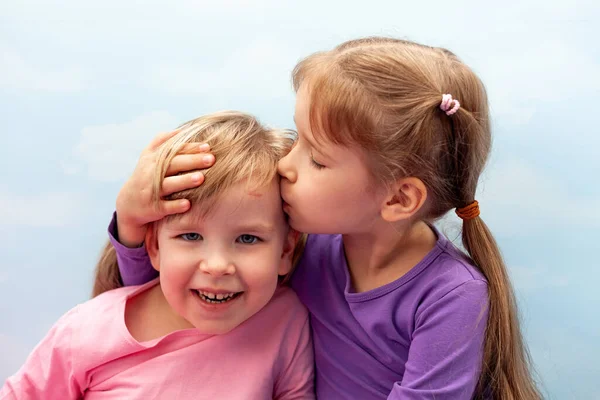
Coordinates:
(384,95)
(244,150)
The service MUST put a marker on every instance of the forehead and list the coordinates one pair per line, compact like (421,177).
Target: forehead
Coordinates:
(238,204)
(302,109)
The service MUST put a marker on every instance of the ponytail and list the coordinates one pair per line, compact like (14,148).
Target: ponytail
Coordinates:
(506,368)
(107,275)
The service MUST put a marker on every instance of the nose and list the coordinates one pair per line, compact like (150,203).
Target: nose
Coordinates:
(217,264)
(285,167)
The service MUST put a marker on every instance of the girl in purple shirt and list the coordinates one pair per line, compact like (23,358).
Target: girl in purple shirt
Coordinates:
(391,136)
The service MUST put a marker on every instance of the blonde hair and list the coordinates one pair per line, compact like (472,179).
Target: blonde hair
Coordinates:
(243,148)
(244,151)
(106,273)
(384,95)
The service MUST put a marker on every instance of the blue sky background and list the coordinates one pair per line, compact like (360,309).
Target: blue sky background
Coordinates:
(85,85)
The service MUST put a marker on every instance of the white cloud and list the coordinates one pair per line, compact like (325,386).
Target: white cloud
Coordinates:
(522,79)
(537,277)
(109,152)
(18,73)
(52,209)
(517,197)
(259,69)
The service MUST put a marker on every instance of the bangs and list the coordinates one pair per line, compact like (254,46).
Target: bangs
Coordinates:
(204,198)
(245,152)
(341,111)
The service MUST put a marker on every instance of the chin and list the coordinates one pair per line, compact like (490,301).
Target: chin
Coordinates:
(303,226)
(298,226)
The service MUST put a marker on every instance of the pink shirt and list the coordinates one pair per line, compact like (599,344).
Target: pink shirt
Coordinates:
(90,354)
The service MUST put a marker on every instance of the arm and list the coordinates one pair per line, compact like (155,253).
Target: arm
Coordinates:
(134,264)
(297,380)
(49,371)
(139,202)
(446,351)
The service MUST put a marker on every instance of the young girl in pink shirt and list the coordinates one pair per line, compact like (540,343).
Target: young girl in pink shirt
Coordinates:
(217,324)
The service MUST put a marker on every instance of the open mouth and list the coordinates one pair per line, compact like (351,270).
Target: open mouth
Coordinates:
(215,298)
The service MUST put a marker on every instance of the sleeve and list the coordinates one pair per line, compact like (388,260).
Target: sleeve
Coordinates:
(134,264)
(446,351)
(48,372)
(297,381)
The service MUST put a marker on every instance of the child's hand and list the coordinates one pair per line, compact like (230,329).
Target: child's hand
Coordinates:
(135,205)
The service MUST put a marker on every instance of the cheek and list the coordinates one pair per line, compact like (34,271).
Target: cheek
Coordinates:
(260,269)
(335,187)
(316,185)
(176,262)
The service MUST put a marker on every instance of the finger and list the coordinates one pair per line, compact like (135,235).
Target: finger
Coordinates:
(190,162)
(169,207)
(193,148)
(161,138)
(177,183)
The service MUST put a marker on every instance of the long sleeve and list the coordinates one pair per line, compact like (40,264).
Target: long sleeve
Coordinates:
(445,355)
(49,371)
(134,264)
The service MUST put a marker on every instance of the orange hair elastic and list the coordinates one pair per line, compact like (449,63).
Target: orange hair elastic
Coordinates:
(468,212)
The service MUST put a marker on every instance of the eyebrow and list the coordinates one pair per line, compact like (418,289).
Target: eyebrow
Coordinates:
(258,227)
(242,228)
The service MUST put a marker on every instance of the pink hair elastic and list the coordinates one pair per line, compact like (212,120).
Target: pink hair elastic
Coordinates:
(447,101)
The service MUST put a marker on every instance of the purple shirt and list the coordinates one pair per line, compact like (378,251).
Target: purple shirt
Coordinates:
(419,337)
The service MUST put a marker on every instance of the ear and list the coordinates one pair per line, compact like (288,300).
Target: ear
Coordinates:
(151,243)
(289,246)
(405,199)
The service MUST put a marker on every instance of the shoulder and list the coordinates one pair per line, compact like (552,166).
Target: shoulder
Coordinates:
(93,308)
(286,302)
(451,279)
(456,292)
(322,249)
(64,337)
(106,301)
(318,242)
(452,270)
(284,316)
(94,321)
(322,260)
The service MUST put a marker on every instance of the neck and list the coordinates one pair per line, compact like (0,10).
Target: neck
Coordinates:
(386,252)
(170,319)
(149,316)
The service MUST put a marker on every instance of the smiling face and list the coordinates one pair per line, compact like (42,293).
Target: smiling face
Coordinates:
(327,188)
(218,270)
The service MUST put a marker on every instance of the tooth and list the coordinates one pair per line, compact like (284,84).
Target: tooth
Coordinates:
(211,295)
(220,296)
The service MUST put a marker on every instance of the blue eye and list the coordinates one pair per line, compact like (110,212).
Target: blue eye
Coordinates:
(191,237)
(248,239)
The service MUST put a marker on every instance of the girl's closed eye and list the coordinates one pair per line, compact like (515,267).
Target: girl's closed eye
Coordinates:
(190,236)
(314,163)
(248,239)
